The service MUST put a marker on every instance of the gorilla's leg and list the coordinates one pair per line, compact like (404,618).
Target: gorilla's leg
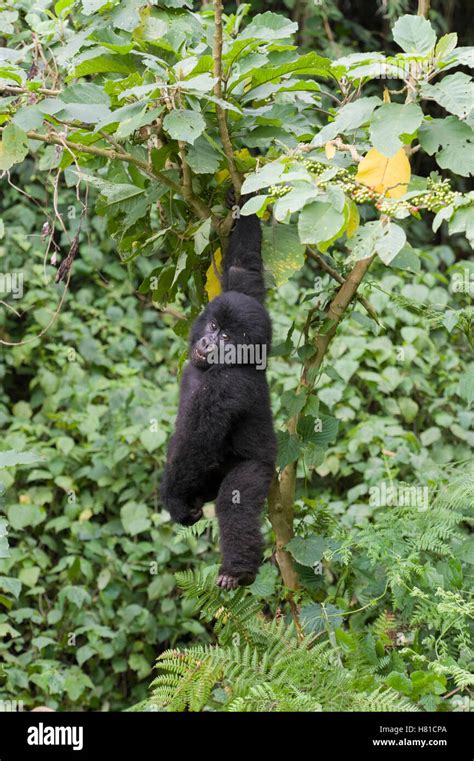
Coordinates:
(239,504)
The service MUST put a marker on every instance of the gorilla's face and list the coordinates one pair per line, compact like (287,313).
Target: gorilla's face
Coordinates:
(230,322)
(206,345)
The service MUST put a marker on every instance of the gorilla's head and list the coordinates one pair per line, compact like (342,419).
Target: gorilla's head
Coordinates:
(232,329)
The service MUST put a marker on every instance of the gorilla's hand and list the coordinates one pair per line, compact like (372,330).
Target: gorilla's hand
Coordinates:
(182,512)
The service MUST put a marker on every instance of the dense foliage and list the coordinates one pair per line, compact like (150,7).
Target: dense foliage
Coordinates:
(112,143)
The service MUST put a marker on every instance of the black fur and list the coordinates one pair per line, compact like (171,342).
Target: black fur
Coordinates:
(224,446)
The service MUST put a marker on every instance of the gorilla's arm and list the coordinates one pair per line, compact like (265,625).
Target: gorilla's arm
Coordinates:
(243,268)
(201,429)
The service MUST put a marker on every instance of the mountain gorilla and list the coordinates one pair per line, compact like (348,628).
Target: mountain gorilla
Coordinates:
(224,446)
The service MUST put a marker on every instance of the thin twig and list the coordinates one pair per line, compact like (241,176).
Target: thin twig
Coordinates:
(12,90)
(53,139)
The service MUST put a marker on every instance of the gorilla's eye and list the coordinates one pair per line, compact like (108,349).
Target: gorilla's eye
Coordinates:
(212,325)
(225,336)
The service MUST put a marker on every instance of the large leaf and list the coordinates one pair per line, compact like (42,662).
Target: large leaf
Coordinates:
(135,518)
(315,618)
(268,175)
(348,118)
(392,120)
(453,143)
(202,157)
(299,196)
(308,64)
(462,221)
(386,240)
(319,222)
(11,458)
(414,34)
(455,93)
(283,254)
(307,551)
(269,26)
(184,124)
(13,147)
(389,176)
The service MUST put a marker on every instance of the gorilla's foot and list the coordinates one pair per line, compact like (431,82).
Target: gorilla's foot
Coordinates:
(229,581)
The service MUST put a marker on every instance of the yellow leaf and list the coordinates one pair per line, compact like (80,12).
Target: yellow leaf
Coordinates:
(386,96)
(389,176)
(85,515)
(213,285)
(354,219)
(24,499)
(243,154)
(222,176)
(330,150)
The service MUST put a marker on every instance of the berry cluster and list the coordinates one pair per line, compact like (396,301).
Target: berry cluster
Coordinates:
(436,196)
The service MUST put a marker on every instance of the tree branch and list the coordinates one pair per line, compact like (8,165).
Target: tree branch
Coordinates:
(423,8)
(112,154)
(282,493)
(339,278)
(220,112)
(280,513)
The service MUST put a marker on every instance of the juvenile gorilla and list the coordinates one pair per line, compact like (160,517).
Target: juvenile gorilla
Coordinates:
(224,445)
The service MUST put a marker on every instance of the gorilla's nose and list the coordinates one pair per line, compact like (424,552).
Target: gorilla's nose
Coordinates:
(203,344)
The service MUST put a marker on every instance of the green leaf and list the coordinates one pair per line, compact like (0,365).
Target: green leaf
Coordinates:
(308,64)
(350,117)
(268,175)
(462,221)
(316,618)
(299,196)
(456,140)
(11,458)
(269,26)
(254,205)
(4,549)
(455,93)
(465,551)
(288,448)
(446,45)
(283,254)
(319,222)
(265,583)
(21,516)
(128,126)
(307,551)
(103,64)
(386,240)
(13,147)
(76,595)
(7,20)
(135,518)
(202,157)
(466,387)
(390,121)
(400,682)
(11,586)
(151,440)
(414,34)
(185,125)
